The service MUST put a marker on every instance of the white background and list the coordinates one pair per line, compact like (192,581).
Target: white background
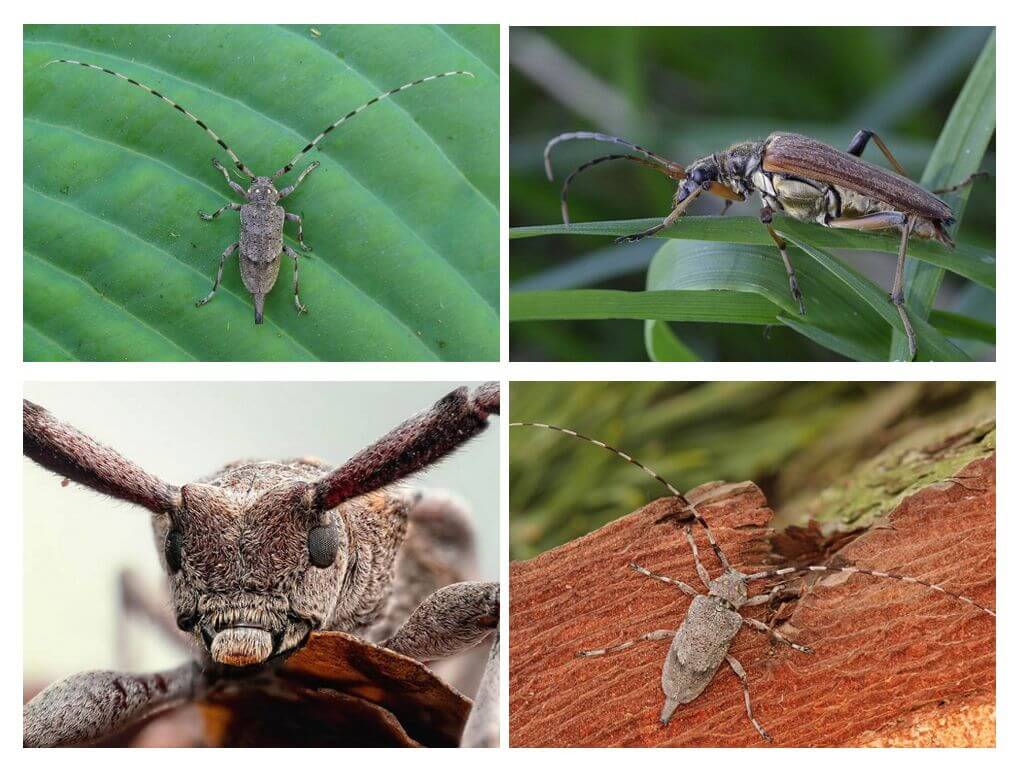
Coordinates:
(1008,371)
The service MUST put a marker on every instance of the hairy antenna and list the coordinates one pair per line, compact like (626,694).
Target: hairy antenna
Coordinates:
(664,162)
(672,174)
(671,488)
(238,163)
(291,163)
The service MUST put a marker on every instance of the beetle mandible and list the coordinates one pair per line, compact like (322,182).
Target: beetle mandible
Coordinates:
(805,179)
(261,241)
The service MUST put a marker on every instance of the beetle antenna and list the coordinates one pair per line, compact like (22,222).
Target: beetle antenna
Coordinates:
(625,456)
(654,157)
(291,163)
(604,158)
(242,167)
(868,572)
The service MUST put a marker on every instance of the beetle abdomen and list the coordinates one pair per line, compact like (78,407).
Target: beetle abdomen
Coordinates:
(791,153)
(699,648)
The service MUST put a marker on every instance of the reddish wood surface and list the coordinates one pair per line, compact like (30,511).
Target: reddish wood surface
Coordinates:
(888,655)
(340,690)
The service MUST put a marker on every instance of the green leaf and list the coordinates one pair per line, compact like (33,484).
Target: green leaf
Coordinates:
(402,213)
(976,264)
(957,154)
(695,306)
(664,346)
(959,326)
(832,307)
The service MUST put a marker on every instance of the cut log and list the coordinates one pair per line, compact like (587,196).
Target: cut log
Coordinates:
(893,663)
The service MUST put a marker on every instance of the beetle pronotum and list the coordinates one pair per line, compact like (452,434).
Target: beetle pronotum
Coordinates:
(802,178)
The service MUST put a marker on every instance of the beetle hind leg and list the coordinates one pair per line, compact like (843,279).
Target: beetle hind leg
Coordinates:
(742,675)
(860,141)
(220,273)
(295,278)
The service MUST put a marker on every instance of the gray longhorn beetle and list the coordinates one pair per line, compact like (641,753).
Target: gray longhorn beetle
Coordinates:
(262,556)
(803,178)
(261,241)
(702,641)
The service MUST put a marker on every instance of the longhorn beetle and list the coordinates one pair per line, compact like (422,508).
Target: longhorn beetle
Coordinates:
(802,178)
(262,555)
(261,242)
(702,641)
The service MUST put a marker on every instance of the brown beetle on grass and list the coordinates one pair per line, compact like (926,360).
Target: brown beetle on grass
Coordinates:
(805,179)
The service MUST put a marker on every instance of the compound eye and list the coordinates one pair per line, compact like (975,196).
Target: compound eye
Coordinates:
(172,550)
(323,545)
(698,176)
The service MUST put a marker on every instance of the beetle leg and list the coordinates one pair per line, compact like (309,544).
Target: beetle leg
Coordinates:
(92,705)
(295,279)
(298,220)
(658,634)
(220,272)
(860,141)
(760,626)
(738,669)
(453,619)
(231,182)
(682,585)
(794,286)
(219,211)
(889,220)
(302,176)
(669,220)
(957,187)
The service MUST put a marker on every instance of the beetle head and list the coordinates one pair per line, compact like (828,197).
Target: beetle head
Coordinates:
(262,191)
(700,175)
(252,567)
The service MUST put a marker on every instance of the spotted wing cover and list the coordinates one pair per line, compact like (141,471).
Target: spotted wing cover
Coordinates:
(795,154)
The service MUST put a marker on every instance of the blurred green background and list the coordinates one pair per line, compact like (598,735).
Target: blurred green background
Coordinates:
(686,93)
(816,449)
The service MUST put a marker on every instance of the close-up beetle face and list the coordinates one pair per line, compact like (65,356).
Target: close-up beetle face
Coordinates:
(251,569)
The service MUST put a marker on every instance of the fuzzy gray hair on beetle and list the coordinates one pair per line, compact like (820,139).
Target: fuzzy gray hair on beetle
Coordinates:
(261,555)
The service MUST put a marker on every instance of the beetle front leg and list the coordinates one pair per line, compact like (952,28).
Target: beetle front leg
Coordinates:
(453,619)
(93,705)
(295,279)
(794,286)
(298,221)
(231,182)
(302,176)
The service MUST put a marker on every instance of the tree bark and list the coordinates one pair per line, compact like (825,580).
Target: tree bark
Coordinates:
(893,664)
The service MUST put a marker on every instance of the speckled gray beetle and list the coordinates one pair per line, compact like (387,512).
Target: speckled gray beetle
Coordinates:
(261,242)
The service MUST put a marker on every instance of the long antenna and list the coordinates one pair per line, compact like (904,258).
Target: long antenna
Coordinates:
(238,163)
(664,162)
(291,163)
(625,456)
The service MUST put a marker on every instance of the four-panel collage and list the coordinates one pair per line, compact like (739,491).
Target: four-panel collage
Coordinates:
(318,452)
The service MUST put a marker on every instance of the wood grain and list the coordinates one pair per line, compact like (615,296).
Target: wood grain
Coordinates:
(888,657)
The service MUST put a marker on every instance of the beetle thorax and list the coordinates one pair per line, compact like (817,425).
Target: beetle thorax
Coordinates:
(262,192)
(731,588)
(737,164)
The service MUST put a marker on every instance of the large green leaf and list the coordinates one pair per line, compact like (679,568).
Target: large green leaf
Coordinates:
(402,213)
